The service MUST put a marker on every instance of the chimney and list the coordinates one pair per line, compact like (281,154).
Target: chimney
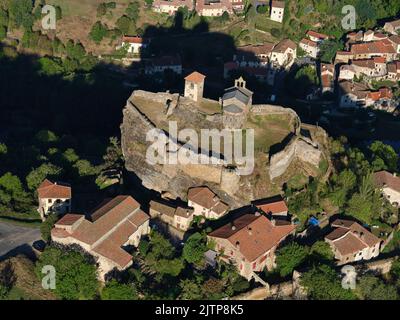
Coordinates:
(257,214)
(233,228)
(237,245)
(394,174)
(250,231)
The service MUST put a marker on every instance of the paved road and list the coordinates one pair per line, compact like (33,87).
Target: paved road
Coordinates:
(12,237)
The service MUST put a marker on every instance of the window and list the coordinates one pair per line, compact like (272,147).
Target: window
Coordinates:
(254,265)
(50,201)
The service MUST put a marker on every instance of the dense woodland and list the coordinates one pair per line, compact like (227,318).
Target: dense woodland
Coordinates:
(60,113)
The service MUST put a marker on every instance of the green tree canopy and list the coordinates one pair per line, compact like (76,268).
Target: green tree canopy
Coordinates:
(118,291)
(76,278)
(289,257)
(194,248)
(36,176)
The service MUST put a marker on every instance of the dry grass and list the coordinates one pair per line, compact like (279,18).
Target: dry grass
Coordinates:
(27,285)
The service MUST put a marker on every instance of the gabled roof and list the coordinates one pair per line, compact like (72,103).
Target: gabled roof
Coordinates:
(278,4)
(195,77)
(349,237)
(283,45)
(207,199)
(134,39)
(53,190)
(387,179)
(272,205)
(113,224)
(318,35)
(254,235)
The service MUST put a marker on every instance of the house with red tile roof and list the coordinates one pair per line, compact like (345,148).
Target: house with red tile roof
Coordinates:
(213,8)
(382,48)
(172,6)
(53,198)
(134,45)
(327,75)
(393,69)
(277,11)
(389,184)
(104,233)
(194,86)
(275,206)
(206,203)
(310,47)
(249,242)
(352,242)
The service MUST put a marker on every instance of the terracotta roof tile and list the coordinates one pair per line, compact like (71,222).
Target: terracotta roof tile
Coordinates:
(48,189)
(385,178)
(196,77)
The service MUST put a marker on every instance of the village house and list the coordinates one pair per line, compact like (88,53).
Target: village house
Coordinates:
(346,72)
(373,68)
(176,216)
(382,48)
(275,206)
(134,45)
(194,86)
(213,8)
(284,53)
(249,242)
(172,6)
(206,203)
(392,27)
(163,63)
(343,57)
(238,5)
(393,71)
(327,77)
(381,100)
(53,198)
(277,10)
(352,94)
(310,47)
(389,184)
(351,242)
(395,40)
(116,224)
(316,36)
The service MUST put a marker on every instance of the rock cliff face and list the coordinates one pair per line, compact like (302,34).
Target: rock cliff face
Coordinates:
(147,111)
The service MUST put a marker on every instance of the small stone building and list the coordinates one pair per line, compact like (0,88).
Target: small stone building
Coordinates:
(53,198)
(178,217)
(194,86)
(206,203)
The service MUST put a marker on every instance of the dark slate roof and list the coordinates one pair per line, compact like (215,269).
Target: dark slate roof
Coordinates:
(233,108)
(241,94)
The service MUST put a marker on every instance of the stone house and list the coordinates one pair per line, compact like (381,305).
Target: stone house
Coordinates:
(373,68)
(351,242)
(395,40)
(392,27)
(352,94)
(277,10)
(393,71)
(249,242)
(206,203)
(53,198)
(194,86)
(343,57)
(115,224)
(347,72)
(382,48)
(163,63)
(135,45)
(327,77)
(172,6)
(381,100)
(213,8)
(389,184)
(316,36)
(310,47)
(275,206)
(176,216)
(284,53)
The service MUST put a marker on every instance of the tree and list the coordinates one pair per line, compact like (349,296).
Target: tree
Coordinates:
(46,226)
(373,288)
(113,159)
(289,257)
(321,250)
(125,24)
(194,249)
(51,66)
(3,32)
(76,278)
(7,279)
(329,48)
(133,10)
(102,9)
(323,283)
(190,290)
(21,13)
(384,157)
(36,176)
(118,291)
(12,193)
(98,32)
(85,168)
